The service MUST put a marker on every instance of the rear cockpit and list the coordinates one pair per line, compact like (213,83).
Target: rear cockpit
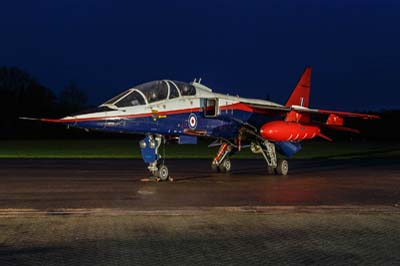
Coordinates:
(150,92)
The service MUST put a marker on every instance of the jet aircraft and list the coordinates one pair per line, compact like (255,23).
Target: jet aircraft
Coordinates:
(167,110)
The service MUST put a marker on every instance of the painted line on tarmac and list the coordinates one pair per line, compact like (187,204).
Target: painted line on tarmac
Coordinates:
(325,209)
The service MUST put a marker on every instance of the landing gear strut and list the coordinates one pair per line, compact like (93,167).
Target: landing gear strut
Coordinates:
(267,149)
(221,162)
(149,147)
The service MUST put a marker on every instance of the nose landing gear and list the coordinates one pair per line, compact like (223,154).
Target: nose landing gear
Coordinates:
(149,147)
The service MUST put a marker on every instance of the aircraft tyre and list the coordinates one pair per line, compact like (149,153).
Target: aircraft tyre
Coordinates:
(282,167)
(225,166)
(163,173)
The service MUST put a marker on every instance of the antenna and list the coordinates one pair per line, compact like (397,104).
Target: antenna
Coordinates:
(199,80)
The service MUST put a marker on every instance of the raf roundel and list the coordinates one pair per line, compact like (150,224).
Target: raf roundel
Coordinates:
(192,121)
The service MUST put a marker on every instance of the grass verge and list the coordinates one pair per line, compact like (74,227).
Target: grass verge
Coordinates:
(129,148)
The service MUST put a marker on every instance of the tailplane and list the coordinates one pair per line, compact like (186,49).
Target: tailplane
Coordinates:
(301,93)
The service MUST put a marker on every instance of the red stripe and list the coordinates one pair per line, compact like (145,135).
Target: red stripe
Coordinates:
(235,106)
(119,116)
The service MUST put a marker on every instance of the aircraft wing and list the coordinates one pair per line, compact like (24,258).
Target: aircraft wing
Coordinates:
(302,115)
(261,108)
(266,107)
(301,109)
(297,108)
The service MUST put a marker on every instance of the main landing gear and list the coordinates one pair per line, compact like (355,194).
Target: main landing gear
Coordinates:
(274,165)
(149,147)
(221,162)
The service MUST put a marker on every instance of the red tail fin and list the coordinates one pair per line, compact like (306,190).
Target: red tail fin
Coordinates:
(301,93)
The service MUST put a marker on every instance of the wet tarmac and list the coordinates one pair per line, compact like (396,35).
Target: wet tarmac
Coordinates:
(215,238)
(96,183)
(99,212)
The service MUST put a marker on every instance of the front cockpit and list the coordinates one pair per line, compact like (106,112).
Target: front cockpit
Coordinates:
(150,92)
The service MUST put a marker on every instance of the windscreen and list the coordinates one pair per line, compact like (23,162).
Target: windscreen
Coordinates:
(153,91)
(119,96)
(132,99)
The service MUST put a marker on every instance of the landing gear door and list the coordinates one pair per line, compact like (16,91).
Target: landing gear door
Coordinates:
(211,107)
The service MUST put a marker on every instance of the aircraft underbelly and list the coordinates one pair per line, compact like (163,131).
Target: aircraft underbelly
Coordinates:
(225,125)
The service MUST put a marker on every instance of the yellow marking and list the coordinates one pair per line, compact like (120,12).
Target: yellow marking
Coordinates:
(156,115)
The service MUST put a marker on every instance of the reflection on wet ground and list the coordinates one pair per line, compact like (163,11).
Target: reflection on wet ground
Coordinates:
(53,184)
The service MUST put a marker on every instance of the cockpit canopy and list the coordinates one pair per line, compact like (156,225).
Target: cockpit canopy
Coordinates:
(150,92)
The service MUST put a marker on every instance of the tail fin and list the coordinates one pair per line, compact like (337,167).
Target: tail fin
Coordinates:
(301,93)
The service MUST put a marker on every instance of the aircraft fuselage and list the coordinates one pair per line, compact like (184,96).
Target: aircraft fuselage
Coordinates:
(205,114)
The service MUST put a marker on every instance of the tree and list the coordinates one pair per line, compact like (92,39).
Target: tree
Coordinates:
(72,98)
(21,95)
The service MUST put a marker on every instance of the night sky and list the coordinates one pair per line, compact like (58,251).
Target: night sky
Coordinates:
(249,48)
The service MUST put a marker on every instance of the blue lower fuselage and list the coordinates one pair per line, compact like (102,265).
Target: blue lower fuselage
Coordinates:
(225,125)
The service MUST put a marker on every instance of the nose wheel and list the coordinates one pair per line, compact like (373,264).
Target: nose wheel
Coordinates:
(163,174)
(150,153)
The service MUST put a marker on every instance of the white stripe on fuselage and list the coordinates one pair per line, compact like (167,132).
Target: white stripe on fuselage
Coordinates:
(174,105)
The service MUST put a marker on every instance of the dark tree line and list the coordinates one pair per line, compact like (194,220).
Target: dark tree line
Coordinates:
(72,99)
(21,95)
